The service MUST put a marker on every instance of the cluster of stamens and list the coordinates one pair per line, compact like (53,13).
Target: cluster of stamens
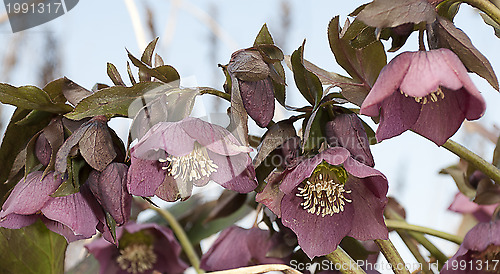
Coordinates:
(488,258)
(190,167)
(136,258)
(433,97)
(323,196)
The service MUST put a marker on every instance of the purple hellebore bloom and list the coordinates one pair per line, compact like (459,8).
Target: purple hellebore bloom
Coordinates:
(143,248)
(238,247)
(428,92)
(479,252)
(462,204)
(173,156)
(331,196)
(30,200)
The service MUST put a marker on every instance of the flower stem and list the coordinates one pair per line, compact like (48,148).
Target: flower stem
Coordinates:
(485,6)
(181,236)
(392,256)
(413,247)
(395,224)
(481,164)
(340,257)
(218,93)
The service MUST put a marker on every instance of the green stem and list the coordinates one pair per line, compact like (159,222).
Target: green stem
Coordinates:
(396,224)
(485,6)
(181,236)
(481,164)
(348,265)
(392,255)
(218,93)
(412,246)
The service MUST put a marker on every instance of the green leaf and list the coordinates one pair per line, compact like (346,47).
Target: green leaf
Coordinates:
(390,13)
(273,138)
(130,74)
(314,132)
(114,75)
(307,82)
(30,97)
(32,249)
(460,179)
(363,65)
(147,55)
(262,41)
(492,23)
(55,90)
(114,101)
(15,139)
(444,34)
(163,73)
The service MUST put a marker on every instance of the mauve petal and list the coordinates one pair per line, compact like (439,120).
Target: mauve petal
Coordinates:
(234,172)
(168,190)
(335,155)
(43,150)
(74,212)
(302,171)
(432,123)
(482,235)
(30,194)
(317,235)
(374,180)
(229,251)
(387,83)
(258,100)
(105,253)
(462,204)
(429,70)
(168,136)
(259,242)
(110,189)
(62,230)
(399,113)
(450,267)
(213,137)
(16,221)
(368,220)
(271,196)
(144,177)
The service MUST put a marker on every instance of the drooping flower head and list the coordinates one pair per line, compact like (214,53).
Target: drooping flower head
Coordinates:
(328,197)
(143,248)
(428,92)
(480,251)
(238,247)
(173,156)
(462,204)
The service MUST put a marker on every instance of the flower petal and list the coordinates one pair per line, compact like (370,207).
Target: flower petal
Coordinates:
(317,235)
(16,221)
(234,172)
(168,136)
(399,113)
(74,212)
(144,177)
(63,230)
(169,191)
(482,235)
(258,100)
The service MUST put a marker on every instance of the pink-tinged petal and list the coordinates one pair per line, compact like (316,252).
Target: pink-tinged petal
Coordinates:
(215,138)
(16,221)
(258,100)
(335,155)
(399,113)
(63,230)
(368,219)
(234,172)
(462,204)
(169,191)
(30,194)
(482,235)
(259,242)
(317,235)
(110,189)
(167,136)
(431,124)
(74,212)
(106,254)
(144,177)
(429,70)
(43,150)
(387,83)
(374,180)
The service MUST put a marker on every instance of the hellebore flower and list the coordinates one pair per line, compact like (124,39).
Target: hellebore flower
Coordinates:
(479,252)
(238,247)
(254,82)
(331,196)
(143,248)
(173,156)
(462,204)
(428,92)
(30,200)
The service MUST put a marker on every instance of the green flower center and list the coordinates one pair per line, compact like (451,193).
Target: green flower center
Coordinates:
(433,97)
(488,258)
(190,167)
(324,193)
(136,258)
